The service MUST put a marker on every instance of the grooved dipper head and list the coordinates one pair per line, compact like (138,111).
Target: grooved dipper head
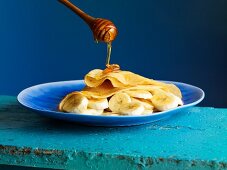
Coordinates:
(104,30)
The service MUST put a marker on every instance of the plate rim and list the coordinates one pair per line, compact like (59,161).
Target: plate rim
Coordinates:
(23,92)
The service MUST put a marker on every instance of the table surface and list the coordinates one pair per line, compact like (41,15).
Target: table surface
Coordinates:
(193,139)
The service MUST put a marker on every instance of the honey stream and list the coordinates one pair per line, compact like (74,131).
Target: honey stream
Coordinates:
(109,47)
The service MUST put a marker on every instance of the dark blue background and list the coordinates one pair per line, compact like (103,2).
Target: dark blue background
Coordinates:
(42,41)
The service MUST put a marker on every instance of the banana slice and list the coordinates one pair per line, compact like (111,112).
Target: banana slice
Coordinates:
(142,94)
(147,111)
(98,104)
(77,103)
(74,102)
(146,103)
(118,100)
(180,102)
(133,108)
(172,89)
(93,112)
(122,103)
(110,114)
(164,101)
(148,107)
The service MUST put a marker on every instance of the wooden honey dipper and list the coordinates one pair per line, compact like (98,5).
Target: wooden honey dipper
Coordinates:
(103,29)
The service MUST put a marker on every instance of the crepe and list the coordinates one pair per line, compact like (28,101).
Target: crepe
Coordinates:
(125,79)
(121,92)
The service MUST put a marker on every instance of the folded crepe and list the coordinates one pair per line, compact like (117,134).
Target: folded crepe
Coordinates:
(112,82)
(101,86)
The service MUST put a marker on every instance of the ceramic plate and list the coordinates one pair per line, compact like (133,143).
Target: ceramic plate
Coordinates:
(44,99)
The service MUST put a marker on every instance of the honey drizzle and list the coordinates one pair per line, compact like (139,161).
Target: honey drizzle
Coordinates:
(109,46)
(110,67)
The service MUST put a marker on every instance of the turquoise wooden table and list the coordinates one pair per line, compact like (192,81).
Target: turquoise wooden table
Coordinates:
(193,139)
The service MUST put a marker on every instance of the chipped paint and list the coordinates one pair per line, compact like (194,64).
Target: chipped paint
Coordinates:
(68,159)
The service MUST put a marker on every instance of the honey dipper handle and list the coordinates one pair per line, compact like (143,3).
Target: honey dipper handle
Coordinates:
(87,18)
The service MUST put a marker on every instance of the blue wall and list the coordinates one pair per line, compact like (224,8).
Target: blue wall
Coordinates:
(42,41)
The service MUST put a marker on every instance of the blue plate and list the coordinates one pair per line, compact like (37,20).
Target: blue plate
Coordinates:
(44,99)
